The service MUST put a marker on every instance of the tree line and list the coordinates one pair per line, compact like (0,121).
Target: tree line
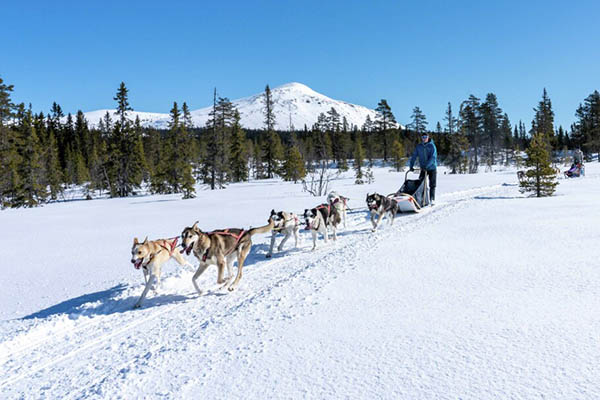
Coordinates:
(45,155)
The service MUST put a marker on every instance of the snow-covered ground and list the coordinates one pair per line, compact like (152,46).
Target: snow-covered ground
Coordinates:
(486,295)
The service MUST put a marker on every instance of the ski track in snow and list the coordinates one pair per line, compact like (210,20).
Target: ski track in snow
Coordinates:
(94,350)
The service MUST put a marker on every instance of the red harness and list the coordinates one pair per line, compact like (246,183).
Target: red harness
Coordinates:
(226,232)
(323,206)
(170,249)
(172,246)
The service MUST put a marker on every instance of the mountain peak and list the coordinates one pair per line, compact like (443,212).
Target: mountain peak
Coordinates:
(295,105)
(295,87)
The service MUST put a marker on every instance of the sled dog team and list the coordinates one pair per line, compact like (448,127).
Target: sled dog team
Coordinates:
(223,247)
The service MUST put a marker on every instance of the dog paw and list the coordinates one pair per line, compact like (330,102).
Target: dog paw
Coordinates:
(231,288)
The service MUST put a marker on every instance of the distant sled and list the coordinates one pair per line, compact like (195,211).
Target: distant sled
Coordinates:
(413,196)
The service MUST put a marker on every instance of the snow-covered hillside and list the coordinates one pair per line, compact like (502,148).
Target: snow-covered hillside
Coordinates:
(294,100)
(487,295)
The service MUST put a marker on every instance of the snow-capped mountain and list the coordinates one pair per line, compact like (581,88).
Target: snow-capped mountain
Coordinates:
(294,102)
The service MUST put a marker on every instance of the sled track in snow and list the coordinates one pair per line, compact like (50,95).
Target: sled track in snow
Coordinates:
(99,352)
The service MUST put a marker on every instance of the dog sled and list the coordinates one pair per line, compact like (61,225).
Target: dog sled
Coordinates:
(413,195)
(576,170)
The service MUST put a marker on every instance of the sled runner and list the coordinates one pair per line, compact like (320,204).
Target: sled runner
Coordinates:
(413,195)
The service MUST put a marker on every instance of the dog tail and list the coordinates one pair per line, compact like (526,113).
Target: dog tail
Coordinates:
(262,229)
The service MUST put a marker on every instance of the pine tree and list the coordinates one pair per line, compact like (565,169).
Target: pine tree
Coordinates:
(451,120)
(384,121)
(540,178)
(419,122)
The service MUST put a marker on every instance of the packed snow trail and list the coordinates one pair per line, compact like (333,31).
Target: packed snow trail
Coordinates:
(96,348)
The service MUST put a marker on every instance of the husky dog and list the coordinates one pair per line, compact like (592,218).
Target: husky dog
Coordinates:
(319,219)
(150,256)
(286,223)
(340,204)
(221,248)
(380,205)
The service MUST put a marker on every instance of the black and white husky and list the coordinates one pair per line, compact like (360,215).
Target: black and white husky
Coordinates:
(318,219)
(380,206)
(340,203)
(286,223)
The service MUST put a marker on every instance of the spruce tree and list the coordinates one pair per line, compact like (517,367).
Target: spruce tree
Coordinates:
(54,176)
(470,121)
(586,130)
(540,178)
(359,156)
(31,170)
(491,116)
(543,121)
(8,153)
(272,147)
(238,155)
(506,132)
(293,167)
(215,165)
(126,162)
(398,155)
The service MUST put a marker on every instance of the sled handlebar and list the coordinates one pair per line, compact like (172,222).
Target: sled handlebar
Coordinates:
(415,170)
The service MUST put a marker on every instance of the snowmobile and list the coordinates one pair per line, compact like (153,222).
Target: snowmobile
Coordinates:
(413,194)
(576,170)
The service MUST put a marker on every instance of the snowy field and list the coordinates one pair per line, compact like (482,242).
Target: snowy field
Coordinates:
(488,295)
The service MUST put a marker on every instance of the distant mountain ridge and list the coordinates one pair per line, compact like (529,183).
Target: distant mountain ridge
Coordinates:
(295,104)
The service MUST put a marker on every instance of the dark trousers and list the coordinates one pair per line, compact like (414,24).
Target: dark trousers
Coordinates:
(432,174)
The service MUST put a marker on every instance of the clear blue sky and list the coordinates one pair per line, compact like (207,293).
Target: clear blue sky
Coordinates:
(411,53)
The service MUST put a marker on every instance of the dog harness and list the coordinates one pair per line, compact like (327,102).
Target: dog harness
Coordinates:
(224,233)
(172,245)
(170,249)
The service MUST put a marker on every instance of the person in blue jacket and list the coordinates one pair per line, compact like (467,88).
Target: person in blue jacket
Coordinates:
(427,155)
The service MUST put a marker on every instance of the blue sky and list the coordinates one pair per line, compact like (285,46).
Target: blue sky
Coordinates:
(411,53)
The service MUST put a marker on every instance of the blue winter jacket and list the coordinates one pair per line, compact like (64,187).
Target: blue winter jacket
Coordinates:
(427,155)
